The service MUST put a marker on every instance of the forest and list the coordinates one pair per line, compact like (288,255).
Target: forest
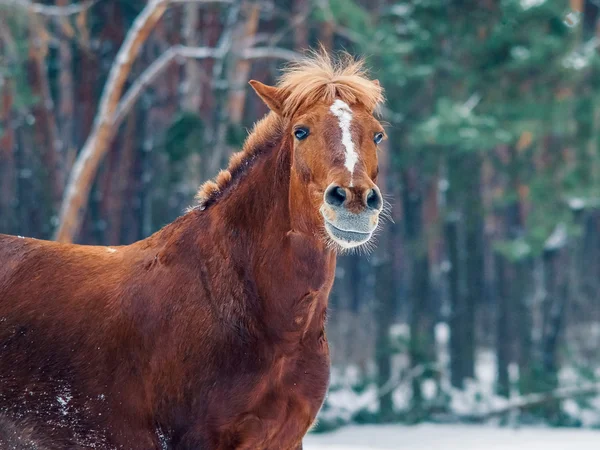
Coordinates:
(479,301)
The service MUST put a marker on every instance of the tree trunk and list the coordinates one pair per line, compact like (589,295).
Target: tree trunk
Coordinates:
(7,160)
(421,340)
(192,92)
(421,346)
(301,9)
(327,28)
(384,316)
(241,74)
(121,180)
(521,297)
(457,376)
(385,294)
(49,137)
(503,340)
(466,276)
(556,301)
(474,260)
(66,108)
(221,88)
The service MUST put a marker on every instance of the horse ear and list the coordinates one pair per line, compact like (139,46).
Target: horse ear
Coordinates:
(272,96)
(376,83)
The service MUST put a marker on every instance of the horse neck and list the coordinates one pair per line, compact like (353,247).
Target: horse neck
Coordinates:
(257,204)
(274,238)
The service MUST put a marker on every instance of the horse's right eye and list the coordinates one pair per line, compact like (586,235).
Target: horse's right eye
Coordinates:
(301,133)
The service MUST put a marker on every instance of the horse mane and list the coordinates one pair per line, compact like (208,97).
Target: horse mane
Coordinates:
(318,77)
(264,134)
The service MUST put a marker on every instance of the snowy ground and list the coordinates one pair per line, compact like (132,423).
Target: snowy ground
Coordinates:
(453,437)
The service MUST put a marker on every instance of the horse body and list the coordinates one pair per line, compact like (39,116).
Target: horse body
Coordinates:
(139,338)
(210,333)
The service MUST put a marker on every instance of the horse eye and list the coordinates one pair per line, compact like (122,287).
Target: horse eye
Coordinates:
(301,133)
(378,138)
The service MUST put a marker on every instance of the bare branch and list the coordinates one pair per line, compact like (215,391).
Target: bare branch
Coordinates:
(270,52)
(181,51)
(199,1)
(152,73)
(64,11)
(48,10)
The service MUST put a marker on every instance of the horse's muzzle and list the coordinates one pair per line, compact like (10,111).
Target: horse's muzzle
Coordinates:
(349,229)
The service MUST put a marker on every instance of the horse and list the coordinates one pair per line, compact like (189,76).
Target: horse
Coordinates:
(210,333)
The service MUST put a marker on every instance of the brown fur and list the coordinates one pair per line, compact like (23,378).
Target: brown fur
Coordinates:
(207,335)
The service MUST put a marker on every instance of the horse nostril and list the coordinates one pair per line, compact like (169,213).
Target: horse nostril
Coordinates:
(374,200)
(335,196)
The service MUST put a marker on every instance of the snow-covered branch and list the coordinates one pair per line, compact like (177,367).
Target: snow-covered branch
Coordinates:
(174,2)
(49,10)
(394,383)
(270,52)
(532,400)
(181,51)
(152,73)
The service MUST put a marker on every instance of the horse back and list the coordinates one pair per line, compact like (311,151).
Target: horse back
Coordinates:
(67,339)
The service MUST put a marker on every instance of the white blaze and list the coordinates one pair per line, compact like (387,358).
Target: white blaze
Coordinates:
(343,112)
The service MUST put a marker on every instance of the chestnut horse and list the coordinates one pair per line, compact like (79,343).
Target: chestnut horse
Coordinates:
(210,333)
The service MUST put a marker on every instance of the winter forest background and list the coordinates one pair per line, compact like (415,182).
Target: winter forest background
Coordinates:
(480,302)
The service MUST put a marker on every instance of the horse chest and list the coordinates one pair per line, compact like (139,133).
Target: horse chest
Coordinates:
(284,402)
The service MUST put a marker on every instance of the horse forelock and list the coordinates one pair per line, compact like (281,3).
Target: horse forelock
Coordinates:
(321,77)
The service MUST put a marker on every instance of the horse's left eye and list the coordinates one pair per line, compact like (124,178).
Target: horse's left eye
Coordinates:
(378,138)
(301,133)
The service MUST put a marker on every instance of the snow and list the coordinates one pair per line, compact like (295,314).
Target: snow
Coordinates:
(400,330)
(452,437)
(572,19)
(64,400)
(581,57)
(353,391)
(526,4)
(558,238)
(345,403)
(402,9)
(520,53)
(576,203)
(575,61)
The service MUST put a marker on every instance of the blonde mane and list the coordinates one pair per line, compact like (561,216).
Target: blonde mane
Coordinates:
(321,78)
(318,77)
